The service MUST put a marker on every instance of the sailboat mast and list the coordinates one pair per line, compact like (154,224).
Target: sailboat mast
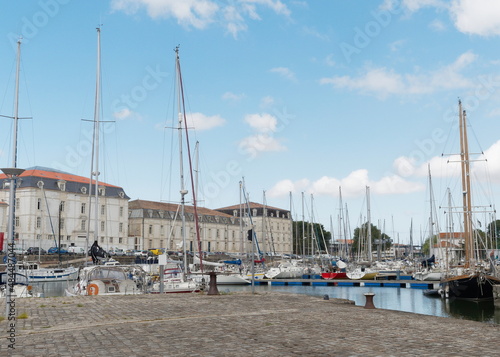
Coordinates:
(16,106)
(369,224)
(431,221)
(183,190)
(97,112)
(466,188)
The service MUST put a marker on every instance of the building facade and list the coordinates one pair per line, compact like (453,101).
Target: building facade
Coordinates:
(54,206)
(159,225)
(272,226)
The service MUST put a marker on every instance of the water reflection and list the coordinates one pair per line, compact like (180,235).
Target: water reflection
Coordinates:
(400,299)
(483,311)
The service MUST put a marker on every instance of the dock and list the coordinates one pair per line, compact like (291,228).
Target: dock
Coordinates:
(408,284)
(235,324)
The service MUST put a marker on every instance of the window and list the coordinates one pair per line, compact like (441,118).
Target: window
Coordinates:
(162,231)
(82,210)
(38,236)
(111,239)
(121,211)
(103,209)
(83,225)
(18,203)
(62,185)
(102,191)
(39,204)
(120,240)
(61,223)
(61,206)
(38,222)
(150,229)
(120,227)
(102,239)
(102,226)
(17,222)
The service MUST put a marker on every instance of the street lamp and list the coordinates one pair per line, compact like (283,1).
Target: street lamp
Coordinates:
(13,174)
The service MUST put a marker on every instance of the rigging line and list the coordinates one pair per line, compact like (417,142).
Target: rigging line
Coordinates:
(50,217)
(186,131)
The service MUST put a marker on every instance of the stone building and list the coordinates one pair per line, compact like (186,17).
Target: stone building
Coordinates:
(273,226)
(53,205)
(158,225)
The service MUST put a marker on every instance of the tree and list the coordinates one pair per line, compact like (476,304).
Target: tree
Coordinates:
(426,247)
(379,240)
(493,231)
(303,240)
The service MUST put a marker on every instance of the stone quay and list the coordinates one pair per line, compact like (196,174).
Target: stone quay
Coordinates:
(235,324)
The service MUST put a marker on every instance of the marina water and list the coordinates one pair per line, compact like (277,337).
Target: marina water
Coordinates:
(390,298)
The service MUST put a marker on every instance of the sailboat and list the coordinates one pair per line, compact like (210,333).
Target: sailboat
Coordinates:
(176,277)
(470,281)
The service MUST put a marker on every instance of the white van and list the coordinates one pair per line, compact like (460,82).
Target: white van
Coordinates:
(76,250)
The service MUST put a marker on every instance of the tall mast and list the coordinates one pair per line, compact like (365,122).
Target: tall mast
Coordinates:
(97,112)
(369,224)
(431,221)
(16,106)
(466,187)
(183,190)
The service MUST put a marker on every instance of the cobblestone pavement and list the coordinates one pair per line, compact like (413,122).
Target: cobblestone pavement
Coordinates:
(237,324)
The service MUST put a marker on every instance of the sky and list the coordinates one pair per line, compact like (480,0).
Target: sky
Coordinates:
(300,100)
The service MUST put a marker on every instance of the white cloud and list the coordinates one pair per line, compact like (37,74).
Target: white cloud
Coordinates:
(437,25)
(284,72)
(263,123)
(126,113)
(267,101)
(233,97)
(201,13)
(259,143)
(203,122)
(284,187)
(476,17)
(353,185)
(196,13)
(492,155)
(382,82)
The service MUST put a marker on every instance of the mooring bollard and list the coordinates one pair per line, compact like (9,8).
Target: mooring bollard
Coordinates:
(369,301)
(212,285)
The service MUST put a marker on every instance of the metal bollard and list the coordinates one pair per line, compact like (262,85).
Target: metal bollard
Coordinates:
(369,301)
(212,285)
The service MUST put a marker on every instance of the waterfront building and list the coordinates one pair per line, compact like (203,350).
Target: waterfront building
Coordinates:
(273,226)
(52,206)
(159,225)
(154,225)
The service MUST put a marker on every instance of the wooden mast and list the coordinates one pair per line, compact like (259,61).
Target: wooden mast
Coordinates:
(466,188)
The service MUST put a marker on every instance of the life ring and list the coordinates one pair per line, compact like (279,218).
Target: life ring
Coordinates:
(92,289)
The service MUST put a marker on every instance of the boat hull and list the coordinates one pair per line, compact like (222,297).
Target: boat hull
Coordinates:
(476,286)
(330,276)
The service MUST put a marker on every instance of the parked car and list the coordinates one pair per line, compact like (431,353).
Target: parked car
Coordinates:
(56,250)
(76,250)
(35,251)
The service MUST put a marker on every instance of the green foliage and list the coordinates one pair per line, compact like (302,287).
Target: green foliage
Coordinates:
(378,238)
(302,238)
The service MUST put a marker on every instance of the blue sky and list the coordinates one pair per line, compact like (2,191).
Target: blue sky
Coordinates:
(294,96)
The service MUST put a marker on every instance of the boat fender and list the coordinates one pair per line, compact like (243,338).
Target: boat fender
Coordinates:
(92,289)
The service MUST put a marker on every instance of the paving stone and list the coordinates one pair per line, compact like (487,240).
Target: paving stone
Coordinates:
(237,324)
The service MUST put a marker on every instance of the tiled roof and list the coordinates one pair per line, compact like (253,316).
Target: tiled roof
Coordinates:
(173,207)
(252,205)
(57,175)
